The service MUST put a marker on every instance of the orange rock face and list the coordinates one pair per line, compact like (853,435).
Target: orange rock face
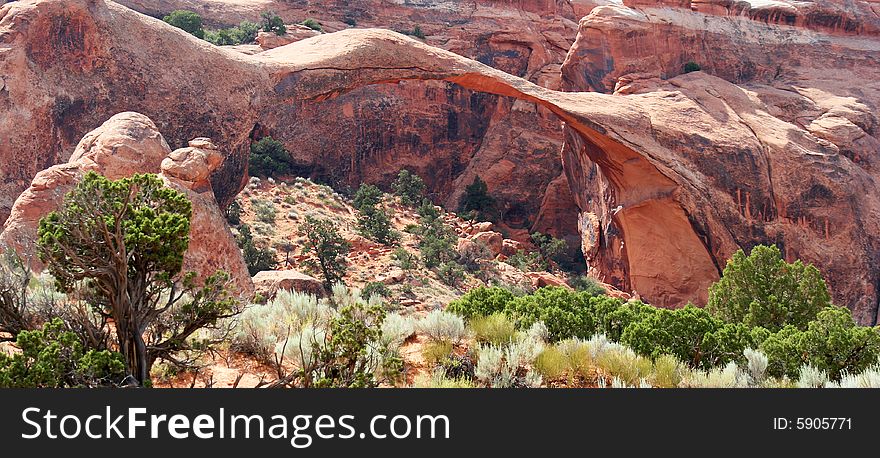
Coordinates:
(445,133)
(775,141)
(126,144)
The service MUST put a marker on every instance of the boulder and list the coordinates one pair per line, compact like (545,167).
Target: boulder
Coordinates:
(493,240)
(393,277)
(269,282)
(542,279)
(510,247)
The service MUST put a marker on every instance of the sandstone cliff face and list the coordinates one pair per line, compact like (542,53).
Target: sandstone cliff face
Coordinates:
(126,144)
(446,133)
(672,175)
(785,155)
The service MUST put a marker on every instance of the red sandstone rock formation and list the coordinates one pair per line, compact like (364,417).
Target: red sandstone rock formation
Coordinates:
(444,132)
(786,155)
(671,179)
(126,144)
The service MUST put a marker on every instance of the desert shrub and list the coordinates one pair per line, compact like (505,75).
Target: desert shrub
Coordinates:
(870,378)
(507,366)
(187,21)
(438,379)
(418,33)
(551,363)
(470,255)
(831,343)
(54,358)
(435,352)
(336,342)
(761,289)
(442,326)
(728,376)
(409,187)
(404,259)
(756,364)
(269,158)
(436,249)
(350,21)
(374,224)
(625,364)
(811,377)
(376,288)
(587,285)
(566,313)
(579,358)
(481,301)
(233,213)
(245,32)
(436,239)
(450,273)
(313,24)
(396,329)
(550,248)
(477,201)
(691,334)
(256,258)
(264,210)
(327,248)
(367,196)
(271,22)
(691,67)
(494,329)
(527,262)
(668,372)
(261,327)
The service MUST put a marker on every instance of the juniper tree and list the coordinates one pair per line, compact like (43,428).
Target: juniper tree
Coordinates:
(761,289)
(409,187)
(328,249)
(121,244)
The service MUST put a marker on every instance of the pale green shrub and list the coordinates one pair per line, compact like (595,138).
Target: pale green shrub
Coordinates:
(870,378)
(756,364)
(438,379)
(812,377)
(730,376)
(668,372)
(442,326)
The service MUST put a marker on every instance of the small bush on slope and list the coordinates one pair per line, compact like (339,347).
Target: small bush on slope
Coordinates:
(187,21)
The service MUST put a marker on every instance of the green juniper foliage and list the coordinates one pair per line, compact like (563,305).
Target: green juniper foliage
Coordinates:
(328,249)
(761,289)
(409,187)
(256,258)
(121,243)
(54,358)
(477,201)
(187,21)
(269,158)
(244,33)
(366,196)
(272,22)
(313,24)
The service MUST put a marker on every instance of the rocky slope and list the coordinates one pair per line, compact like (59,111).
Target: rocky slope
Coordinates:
(671,174)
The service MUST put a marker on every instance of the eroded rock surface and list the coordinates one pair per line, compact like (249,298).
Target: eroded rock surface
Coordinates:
(126,144)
